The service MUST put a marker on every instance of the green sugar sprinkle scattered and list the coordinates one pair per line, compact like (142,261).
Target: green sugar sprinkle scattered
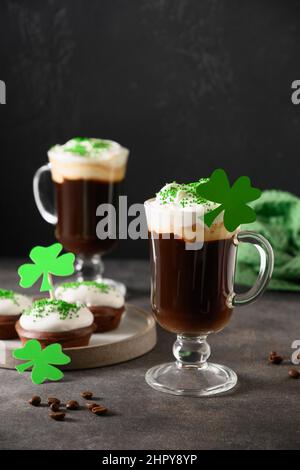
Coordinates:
(8,294)
(101,145)
(102,286)
(77,149)
(80,139)
(85,146)
(169,194)
(43,307)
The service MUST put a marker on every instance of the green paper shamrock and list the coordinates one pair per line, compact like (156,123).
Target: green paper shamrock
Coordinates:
(46,262)
(233,200)
(40,360)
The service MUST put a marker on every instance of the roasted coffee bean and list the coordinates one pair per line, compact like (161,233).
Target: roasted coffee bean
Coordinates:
(276,359)
(58,415)
(53,400)
(294,373)
(90,406)
(35,400)
(99,410)
(54,406)
(72,405)
(87,395)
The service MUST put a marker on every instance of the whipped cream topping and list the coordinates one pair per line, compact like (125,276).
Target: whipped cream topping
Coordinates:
(88,158)
(178,209)
(91,294)
(184,196)
(12,303)
(55,316)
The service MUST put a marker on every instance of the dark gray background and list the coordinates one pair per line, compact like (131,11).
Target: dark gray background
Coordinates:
(187,85)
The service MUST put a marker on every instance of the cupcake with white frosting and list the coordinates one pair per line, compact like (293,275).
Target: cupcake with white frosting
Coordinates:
(55,321)
(12,305)
(105,301)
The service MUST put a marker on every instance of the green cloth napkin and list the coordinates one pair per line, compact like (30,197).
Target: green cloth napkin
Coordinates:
(278,220)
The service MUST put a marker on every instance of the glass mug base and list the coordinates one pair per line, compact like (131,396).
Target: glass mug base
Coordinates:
(177,379)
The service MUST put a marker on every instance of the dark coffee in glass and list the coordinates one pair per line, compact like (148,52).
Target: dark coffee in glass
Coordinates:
(191,288)
(77,202)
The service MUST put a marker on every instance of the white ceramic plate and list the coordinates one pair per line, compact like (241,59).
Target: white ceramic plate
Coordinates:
(135,336)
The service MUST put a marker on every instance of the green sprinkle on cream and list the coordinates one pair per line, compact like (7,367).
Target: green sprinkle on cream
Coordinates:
(101,145)
(184,194)
(80,139)
(43,307)
(85,147)
(8,294)
(102,286)
(77,150)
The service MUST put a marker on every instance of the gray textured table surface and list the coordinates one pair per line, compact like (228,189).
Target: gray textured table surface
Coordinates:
(262,412)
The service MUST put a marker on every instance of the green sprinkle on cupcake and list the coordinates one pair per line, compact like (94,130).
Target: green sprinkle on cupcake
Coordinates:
(41,308)
(8,294)
(102,286)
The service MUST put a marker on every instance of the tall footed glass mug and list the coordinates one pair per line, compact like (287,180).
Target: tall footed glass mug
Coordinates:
(192,290)
(88,177)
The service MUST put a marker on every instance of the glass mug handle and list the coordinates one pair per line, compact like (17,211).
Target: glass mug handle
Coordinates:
(265,271)
(40,196)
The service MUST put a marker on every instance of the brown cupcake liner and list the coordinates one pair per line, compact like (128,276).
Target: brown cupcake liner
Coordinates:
(7,326)
(67,339)
(106,318)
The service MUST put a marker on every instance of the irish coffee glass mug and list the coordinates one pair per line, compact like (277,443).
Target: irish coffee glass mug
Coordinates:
(192,295)
(73,210)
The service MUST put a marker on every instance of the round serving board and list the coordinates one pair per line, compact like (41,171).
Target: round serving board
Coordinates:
(135,336)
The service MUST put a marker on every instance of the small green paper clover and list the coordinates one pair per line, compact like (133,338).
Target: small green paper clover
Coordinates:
(46,261)
(233,200)
(40,361)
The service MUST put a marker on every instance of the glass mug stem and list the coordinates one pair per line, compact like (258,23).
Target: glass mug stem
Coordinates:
(191,351)
(89,268)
